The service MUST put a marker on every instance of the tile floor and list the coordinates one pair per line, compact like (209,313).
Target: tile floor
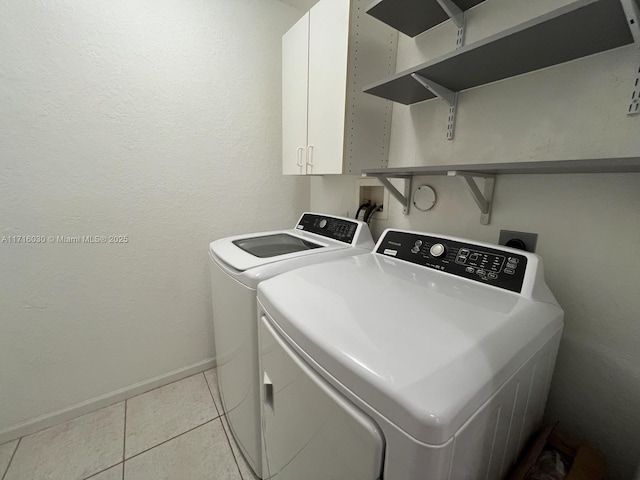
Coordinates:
(171,433)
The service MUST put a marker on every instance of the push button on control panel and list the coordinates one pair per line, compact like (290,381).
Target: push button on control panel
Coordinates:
(437,250)
(463,255)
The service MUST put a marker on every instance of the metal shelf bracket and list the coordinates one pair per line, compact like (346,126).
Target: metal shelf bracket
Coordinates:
(458,17)
(489,171)
(634,105)
(445,94)
(632,12)
(484,199)
(402,197)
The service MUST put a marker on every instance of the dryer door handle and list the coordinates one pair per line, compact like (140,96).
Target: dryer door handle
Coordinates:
(268,390)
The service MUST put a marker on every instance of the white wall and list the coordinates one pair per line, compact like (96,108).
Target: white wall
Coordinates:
(588,225)
(158,120)
(302,5)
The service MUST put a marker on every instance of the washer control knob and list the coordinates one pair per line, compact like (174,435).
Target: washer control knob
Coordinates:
(323,223)
(437,250)
(418,243)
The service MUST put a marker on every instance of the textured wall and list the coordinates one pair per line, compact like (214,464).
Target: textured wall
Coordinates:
(589,225)
(158,120)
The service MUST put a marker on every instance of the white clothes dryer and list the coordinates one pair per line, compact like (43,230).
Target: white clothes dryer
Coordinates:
(238,265)
(429,358)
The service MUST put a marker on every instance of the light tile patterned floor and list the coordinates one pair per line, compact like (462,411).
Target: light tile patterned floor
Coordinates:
(171,433)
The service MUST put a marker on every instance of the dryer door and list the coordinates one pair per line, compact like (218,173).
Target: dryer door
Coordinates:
(310,430)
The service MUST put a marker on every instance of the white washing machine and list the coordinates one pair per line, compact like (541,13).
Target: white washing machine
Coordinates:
(429,358)
(238,265)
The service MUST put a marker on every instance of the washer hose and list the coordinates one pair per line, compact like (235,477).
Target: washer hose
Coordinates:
(370,211)
(362,207)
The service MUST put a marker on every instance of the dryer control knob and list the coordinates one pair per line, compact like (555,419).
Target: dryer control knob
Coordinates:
(323,223)
(437,250)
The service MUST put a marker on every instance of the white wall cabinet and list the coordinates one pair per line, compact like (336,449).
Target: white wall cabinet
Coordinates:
(328,125)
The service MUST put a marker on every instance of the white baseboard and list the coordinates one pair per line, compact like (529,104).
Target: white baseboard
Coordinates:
(82,408)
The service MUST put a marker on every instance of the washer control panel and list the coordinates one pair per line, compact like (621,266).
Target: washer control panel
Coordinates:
(331,227)
(479,263)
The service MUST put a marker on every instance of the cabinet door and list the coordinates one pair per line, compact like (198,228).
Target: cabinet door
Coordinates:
(328,52)
(295,70)
(310,430)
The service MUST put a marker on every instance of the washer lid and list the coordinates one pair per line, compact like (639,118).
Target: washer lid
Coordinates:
(244,252)
(314,233)
(423,349)
(267,246)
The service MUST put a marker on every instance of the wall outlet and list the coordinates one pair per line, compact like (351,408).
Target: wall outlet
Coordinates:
(369,189)
(522,240)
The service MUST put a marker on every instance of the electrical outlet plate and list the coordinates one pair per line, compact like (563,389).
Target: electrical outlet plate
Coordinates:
(370,189)
(530,239)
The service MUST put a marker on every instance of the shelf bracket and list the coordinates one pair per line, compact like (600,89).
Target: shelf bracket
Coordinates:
(445,94)
(634,106)
(458,17)
(402,197)
(484,200)
(632,12)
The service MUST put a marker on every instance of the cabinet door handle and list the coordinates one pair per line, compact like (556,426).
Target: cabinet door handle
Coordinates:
(310,155)
(299,156)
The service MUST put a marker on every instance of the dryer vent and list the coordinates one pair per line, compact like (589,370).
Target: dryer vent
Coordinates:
(520,240)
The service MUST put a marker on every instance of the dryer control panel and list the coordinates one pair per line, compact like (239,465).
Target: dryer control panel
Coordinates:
(336,228)
(479,263)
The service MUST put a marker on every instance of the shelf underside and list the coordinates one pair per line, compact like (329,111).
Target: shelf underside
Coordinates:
(582,28)
(412,17)
(608,165)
